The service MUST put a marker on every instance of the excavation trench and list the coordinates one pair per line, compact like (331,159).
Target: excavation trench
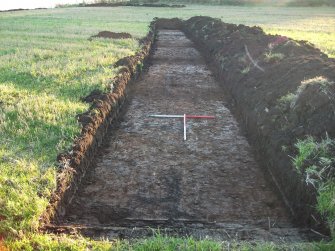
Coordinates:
(148,176)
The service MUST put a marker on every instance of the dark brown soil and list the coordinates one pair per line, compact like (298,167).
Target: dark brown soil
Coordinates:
(158,5)
(113,35)
(256,93)
(14,10)
(169,23)
(209,185)
(162,5)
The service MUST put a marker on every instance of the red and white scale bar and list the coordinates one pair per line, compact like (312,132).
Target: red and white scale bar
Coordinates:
(184,118)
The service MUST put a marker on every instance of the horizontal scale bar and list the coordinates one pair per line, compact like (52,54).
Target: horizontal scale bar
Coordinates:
(182,116)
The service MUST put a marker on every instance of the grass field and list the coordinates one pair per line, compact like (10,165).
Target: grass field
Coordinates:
(159,242)
(47,64)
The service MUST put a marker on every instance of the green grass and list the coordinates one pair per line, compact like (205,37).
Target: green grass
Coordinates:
(273,57)
(316,161)
(158,242)
(47,64)
(290,99)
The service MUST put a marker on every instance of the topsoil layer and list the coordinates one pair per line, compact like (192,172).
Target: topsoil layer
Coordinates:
(209,185)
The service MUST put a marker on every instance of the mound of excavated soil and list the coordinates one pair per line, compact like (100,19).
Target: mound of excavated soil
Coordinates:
(157,5)
(134,5)
(283,89)
(113,35)
(12,10)
(169,23)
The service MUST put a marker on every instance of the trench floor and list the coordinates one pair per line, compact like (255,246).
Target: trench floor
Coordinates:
(149,177)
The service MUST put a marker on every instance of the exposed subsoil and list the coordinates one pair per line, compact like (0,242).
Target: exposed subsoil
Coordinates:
(209,185)
(114,35)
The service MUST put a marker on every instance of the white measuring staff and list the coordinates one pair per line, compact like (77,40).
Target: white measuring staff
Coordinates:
(184,118)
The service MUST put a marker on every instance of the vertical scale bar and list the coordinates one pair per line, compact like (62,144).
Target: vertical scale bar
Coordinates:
(184,118)
(184,126)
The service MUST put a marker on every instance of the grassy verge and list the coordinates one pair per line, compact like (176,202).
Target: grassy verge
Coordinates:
(47,64)
(157,242)
(316,161)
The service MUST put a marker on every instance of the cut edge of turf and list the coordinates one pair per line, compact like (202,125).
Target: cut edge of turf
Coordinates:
(104,108)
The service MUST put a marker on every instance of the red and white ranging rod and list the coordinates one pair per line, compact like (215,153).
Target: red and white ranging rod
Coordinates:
(184,118)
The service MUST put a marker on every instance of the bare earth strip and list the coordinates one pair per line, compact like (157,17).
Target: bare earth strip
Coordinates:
(209,185)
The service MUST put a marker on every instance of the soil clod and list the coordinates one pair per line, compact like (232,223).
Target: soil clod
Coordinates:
(113,35)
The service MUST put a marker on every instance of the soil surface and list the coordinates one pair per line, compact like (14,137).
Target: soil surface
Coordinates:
(148,176)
